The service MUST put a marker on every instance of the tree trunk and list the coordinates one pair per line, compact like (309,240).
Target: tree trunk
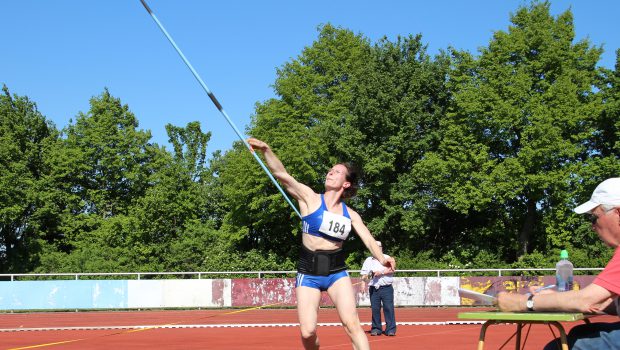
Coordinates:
(528,226)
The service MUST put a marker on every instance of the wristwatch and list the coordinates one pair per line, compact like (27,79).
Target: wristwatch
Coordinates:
(530,303)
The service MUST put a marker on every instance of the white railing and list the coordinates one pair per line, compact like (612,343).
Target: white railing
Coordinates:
(498,272)
(262,274)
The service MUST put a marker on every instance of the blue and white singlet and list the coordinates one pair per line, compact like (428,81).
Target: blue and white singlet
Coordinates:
(323,223)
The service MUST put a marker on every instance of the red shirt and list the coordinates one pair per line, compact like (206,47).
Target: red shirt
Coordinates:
(609,278)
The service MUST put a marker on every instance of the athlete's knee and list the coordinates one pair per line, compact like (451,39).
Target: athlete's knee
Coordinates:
(308,332)
(352,325)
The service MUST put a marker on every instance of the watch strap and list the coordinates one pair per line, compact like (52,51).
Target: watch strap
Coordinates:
(530,303)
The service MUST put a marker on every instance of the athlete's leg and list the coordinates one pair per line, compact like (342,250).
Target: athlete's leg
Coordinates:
(308,300)
(341,293)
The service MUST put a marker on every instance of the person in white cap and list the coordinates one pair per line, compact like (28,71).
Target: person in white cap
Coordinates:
(599,296)
(381,293)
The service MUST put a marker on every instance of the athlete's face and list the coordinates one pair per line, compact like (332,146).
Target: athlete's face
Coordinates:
(337,177)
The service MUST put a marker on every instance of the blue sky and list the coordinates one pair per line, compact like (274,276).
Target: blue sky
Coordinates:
(61,53)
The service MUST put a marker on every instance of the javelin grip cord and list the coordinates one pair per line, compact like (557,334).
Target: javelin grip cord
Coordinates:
(219,106)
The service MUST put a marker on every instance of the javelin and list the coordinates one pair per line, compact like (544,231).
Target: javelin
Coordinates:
(218,105)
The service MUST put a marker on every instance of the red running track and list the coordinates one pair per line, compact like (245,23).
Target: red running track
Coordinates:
(247,329)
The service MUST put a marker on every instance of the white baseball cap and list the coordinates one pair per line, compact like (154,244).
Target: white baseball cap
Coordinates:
(607,192)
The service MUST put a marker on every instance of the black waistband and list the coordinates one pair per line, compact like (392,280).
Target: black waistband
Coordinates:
(321,262)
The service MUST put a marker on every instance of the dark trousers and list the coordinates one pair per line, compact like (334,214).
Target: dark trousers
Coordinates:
(592,336)
(383,296)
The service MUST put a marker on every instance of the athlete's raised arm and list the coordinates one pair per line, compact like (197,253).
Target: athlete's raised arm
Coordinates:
(298,190)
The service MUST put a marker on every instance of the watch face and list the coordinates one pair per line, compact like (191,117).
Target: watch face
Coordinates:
(530,303)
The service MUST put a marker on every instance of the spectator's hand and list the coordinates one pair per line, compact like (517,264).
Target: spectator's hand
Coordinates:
(368,276)
(603,307)
(535,290)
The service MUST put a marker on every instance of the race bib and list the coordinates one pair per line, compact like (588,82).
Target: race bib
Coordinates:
(335,225)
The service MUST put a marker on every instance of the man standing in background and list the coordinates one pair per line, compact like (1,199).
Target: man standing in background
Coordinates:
(381,292)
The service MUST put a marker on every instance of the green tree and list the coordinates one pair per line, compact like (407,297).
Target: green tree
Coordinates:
(113,161)
(98,170)
(606,136)
(601,160)
(190,147)
(176,205)
(514,134)
(399,99)
(301,124)
(344,100)
(468,161)
(24,137)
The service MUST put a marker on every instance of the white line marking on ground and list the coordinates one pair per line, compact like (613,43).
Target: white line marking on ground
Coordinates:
(237,325)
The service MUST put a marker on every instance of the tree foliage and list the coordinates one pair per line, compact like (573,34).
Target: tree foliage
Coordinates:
(514,135)
(469,160)
(24,138)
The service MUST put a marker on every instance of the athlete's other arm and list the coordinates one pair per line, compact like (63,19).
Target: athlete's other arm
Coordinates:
(369,241)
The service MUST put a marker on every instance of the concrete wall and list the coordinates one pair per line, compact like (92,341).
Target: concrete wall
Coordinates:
(246,292)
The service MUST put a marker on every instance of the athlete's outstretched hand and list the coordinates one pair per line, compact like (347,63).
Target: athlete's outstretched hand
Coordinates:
(257,145)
